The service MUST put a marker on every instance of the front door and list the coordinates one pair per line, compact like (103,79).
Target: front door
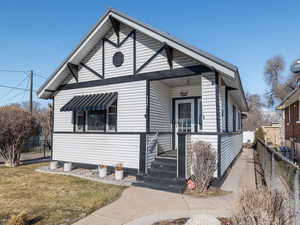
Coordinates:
(184,117)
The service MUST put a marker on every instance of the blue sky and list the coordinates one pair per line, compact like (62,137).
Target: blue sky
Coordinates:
(38,34)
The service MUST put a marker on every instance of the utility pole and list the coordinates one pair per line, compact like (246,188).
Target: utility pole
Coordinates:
(30,94)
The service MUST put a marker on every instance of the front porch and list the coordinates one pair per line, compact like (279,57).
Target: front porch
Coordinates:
(181,111)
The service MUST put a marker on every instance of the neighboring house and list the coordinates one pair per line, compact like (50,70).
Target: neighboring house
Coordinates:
(272,134)
(131,94)
(291,117)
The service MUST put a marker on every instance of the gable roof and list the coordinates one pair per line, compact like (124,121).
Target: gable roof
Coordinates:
(103,25)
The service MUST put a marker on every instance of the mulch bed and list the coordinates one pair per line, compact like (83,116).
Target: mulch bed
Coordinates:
(211,192)
(182,221)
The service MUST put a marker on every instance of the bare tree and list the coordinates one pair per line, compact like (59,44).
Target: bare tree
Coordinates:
(262,207)
(203,164)
(254,116)
(279,87)
(45,119)
(17,125)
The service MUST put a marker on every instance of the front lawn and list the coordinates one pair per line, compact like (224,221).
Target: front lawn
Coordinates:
(48,198)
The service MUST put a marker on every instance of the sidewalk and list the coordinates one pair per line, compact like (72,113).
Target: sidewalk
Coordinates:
(138,202)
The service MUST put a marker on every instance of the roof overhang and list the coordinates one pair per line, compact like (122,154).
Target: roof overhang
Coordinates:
(291,98)
(103,26)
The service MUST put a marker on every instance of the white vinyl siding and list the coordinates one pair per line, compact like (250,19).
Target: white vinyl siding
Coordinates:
(94,61)
(96,149)
(190,139)
(131,106)
(209,113)
(160,107)
(147,47)
(231,145)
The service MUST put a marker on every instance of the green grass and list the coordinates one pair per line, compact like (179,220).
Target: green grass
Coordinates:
(48,198)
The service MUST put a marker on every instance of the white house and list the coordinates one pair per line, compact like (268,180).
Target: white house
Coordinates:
(131,94)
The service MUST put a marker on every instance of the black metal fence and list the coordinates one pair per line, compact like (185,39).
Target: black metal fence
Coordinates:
(280,173)
(36,148)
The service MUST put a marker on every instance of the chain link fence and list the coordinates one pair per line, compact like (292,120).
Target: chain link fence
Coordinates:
(280,173)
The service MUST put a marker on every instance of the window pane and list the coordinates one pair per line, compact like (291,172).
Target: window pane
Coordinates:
(200,114)
(184,117)
(112,122)
(96,120)
(112,117)
(79,121)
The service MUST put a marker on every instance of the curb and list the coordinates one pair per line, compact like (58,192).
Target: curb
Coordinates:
(171,215)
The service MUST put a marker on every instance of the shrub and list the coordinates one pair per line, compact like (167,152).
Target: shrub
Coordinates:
(262,207)
(20,219)
(203,164)
(17,125)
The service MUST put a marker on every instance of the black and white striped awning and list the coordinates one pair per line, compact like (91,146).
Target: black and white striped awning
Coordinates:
(90,102)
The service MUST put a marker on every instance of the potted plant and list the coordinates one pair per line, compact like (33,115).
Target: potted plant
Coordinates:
(102,170)
(53,165)
(119,172)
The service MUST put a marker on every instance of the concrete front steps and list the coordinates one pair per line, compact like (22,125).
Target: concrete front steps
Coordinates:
(161,176)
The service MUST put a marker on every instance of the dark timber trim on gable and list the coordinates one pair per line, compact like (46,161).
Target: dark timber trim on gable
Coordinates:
(91,70)
(118,45)
(169,53)
(116,27)
(157,75)
(103,58)
(134,52)
(151,58)
(74,70)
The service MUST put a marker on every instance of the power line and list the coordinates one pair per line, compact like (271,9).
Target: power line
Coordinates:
(14,71)
(11,90)
(16,88)
(38,75)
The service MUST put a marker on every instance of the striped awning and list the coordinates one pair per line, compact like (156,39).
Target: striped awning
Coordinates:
(90,102)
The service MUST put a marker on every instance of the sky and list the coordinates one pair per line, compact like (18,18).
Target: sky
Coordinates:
(37,34)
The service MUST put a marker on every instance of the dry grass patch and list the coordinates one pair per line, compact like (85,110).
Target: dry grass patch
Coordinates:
(49,198)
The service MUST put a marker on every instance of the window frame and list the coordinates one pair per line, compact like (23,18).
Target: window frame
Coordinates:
(106,125)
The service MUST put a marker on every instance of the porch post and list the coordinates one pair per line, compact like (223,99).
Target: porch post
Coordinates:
(143,157)
(181,157)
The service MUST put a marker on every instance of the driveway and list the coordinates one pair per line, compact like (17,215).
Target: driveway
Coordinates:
(136,202)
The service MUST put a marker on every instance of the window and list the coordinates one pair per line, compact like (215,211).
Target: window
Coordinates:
(79,121)
(233,118)
(112,117)
(199,114)
(97,120)
(239,121)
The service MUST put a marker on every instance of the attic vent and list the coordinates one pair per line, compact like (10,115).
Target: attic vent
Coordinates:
(118,59)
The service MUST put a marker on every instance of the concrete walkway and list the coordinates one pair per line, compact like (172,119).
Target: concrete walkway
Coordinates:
(136,203)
